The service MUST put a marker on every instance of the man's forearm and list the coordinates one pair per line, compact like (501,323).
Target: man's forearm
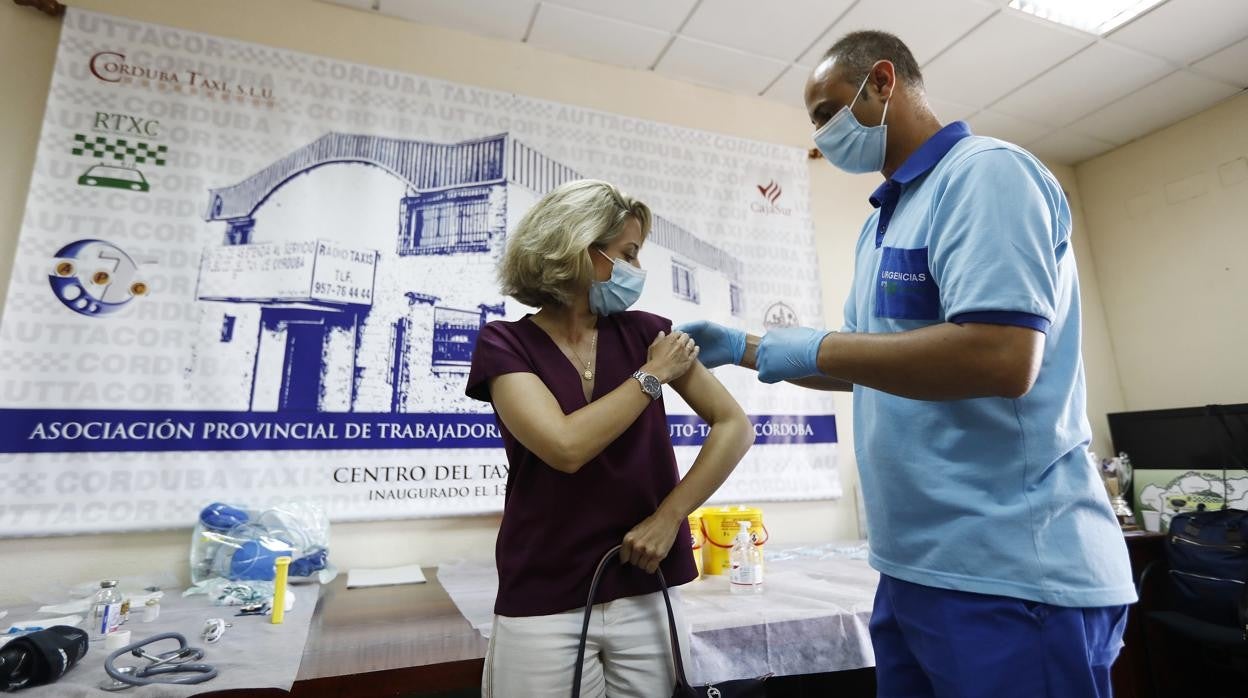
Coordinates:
(829,383)
(940,362)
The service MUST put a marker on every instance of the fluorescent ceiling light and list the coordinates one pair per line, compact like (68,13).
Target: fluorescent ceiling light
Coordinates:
(1093,16)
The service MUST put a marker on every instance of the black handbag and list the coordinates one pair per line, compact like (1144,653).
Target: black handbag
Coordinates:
(741,688)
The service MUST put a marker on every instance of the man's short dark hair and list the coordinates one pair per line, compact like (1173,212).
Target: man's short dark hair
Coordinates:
(857,51)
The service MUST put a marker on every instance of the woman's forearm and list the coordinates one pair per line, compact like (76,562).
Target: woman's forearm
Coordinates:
(584,433)
(726,444)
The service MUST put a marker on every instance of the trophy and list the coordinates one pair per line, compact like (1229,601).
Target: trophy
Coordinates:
(1120,468)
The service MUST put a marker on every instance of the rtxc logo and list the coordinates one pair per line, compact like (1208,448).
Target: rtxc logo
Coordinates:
(771,194)
(117,160)
(96,278)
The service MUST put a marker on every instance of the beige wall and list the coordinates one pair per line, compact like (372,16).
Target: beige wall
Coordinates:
(1100,366)
(1169,222)
(28,39)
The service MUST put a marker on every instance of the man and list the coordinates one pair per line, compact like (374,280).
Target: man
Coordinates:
(1003,569)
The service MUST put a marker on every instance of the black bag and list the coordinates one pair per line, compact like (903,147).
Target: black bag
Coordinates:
(741,688)
(1208,556)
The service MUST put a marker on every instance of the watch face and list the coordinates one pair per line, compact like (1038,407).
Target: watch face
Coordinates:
(652,386)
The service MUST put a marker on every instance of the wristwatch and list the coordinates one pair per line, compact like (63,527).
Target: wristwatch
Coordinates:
(649,384)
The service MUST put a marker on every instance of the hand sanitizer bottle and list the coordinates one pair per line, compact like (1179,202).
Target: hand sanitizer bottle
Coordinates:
(746,562)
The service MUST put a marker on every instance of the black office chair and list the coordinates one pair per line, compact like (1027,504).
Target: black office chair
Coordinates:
(1210,659)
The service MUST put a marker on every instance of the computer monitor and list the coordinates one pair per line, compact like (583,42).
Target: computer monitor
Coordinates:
(1197,438)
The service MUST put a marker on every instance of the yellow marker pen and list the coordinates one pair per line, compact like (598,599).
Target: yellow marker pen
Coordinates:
(279,589)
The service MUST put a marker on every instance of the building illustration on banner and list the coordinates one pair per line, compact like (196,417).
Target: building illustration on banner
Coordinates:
(355,273)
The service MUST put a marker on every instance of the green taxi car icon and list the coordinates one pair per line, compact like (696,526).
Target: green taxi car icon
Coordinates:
(114,178)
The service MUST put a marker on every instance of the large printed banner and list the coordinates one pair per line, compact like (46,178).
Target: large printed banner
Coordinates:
(247,274)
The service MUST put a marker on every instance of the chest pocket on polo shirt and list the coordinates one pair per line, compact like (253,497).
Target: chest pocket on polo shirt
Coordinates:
(905,289)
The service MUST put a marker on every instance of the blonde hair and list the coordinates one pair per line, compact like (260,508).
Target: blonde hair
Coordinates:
(547,258)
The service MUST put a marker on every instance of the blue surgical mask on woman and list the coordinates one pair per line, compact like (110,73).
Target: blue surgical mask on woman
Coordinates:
(617,294)
(851,146)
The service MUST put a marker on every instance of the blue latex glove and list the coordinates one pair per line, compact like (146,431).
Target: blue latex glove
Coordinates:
(789,353)
(718,345)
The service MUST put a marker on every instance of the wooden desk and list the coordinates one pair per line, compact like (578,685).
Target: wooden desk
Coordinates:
(388,641)
(1130,674)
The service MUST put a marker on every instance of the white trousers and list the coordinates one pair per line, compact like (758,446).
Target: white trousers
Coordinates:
(628,652)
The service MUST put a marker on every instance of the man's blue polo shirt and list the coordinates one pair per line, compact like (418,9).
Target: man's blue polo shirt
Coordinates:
(988,495)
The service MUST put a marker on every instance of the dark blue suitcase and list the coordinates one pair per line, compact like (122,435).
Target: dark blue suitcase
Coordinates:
(1208,555)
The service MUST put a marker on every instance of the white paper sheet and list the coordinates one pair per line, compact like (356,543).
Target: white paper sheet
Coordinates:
(385,576)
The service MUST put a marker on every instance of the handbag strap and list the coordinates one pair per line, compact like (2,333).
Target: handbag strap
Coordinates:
(681,681)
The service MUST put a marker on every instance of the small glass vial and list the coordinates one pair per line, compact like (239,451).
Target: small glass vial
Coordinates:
(151,610)
(106,611)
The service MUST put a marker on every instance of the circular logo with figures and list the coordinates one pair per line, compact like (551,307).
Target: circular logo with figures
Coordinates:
(779,315)
(95,278)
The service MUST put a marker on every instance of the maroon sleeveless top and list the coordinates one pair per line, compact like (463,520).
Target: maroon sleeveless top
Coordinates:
(556,526)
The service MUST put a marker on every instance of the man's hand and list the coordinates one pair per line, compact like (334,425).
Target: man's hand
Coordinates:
(719,345)
(788,354)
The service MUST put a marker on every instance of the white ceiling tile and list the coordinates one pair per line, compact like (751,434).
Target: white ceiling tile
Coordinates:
(504,19)
(926,27)
(1229,64)
(1186,30)
(949,111)
(1084,83)
(718,66)
(1162,103)
(596,37)
(357,4)
(790,89)
(1006,127)
(781,30)
(1002,54)
(1066,147)
(658,14)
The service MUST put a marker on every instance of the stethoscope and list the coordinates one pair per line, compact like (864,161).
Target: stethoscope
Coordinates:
(160,666)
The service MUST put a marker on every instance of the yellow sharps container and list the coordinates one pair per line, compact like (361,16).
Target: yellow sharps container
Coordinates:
(720,528)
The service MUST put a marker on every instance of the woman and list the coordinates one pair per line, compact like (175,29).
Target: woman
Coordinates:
(576,391)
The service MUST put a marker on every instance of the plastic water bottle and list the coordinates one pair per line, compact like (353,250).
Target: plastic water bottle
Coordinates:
(106,611)
(746,563)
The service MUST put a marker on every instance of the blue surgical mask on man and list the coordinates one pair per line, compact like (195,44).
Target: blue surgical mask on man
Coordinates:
(851,146)
(618,293)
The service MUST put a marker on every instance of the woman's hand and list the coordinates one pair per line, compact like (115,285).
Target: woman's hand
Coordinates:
(670,356)
(650,541)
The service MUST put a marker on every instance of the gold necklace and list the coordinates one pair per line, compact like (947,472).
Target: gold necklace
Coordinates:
(588,373)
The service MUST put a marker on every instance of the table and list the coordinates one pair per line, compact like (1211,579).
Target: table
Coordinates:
(412,639)
(387,641)
(1130,675)
(252,653)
